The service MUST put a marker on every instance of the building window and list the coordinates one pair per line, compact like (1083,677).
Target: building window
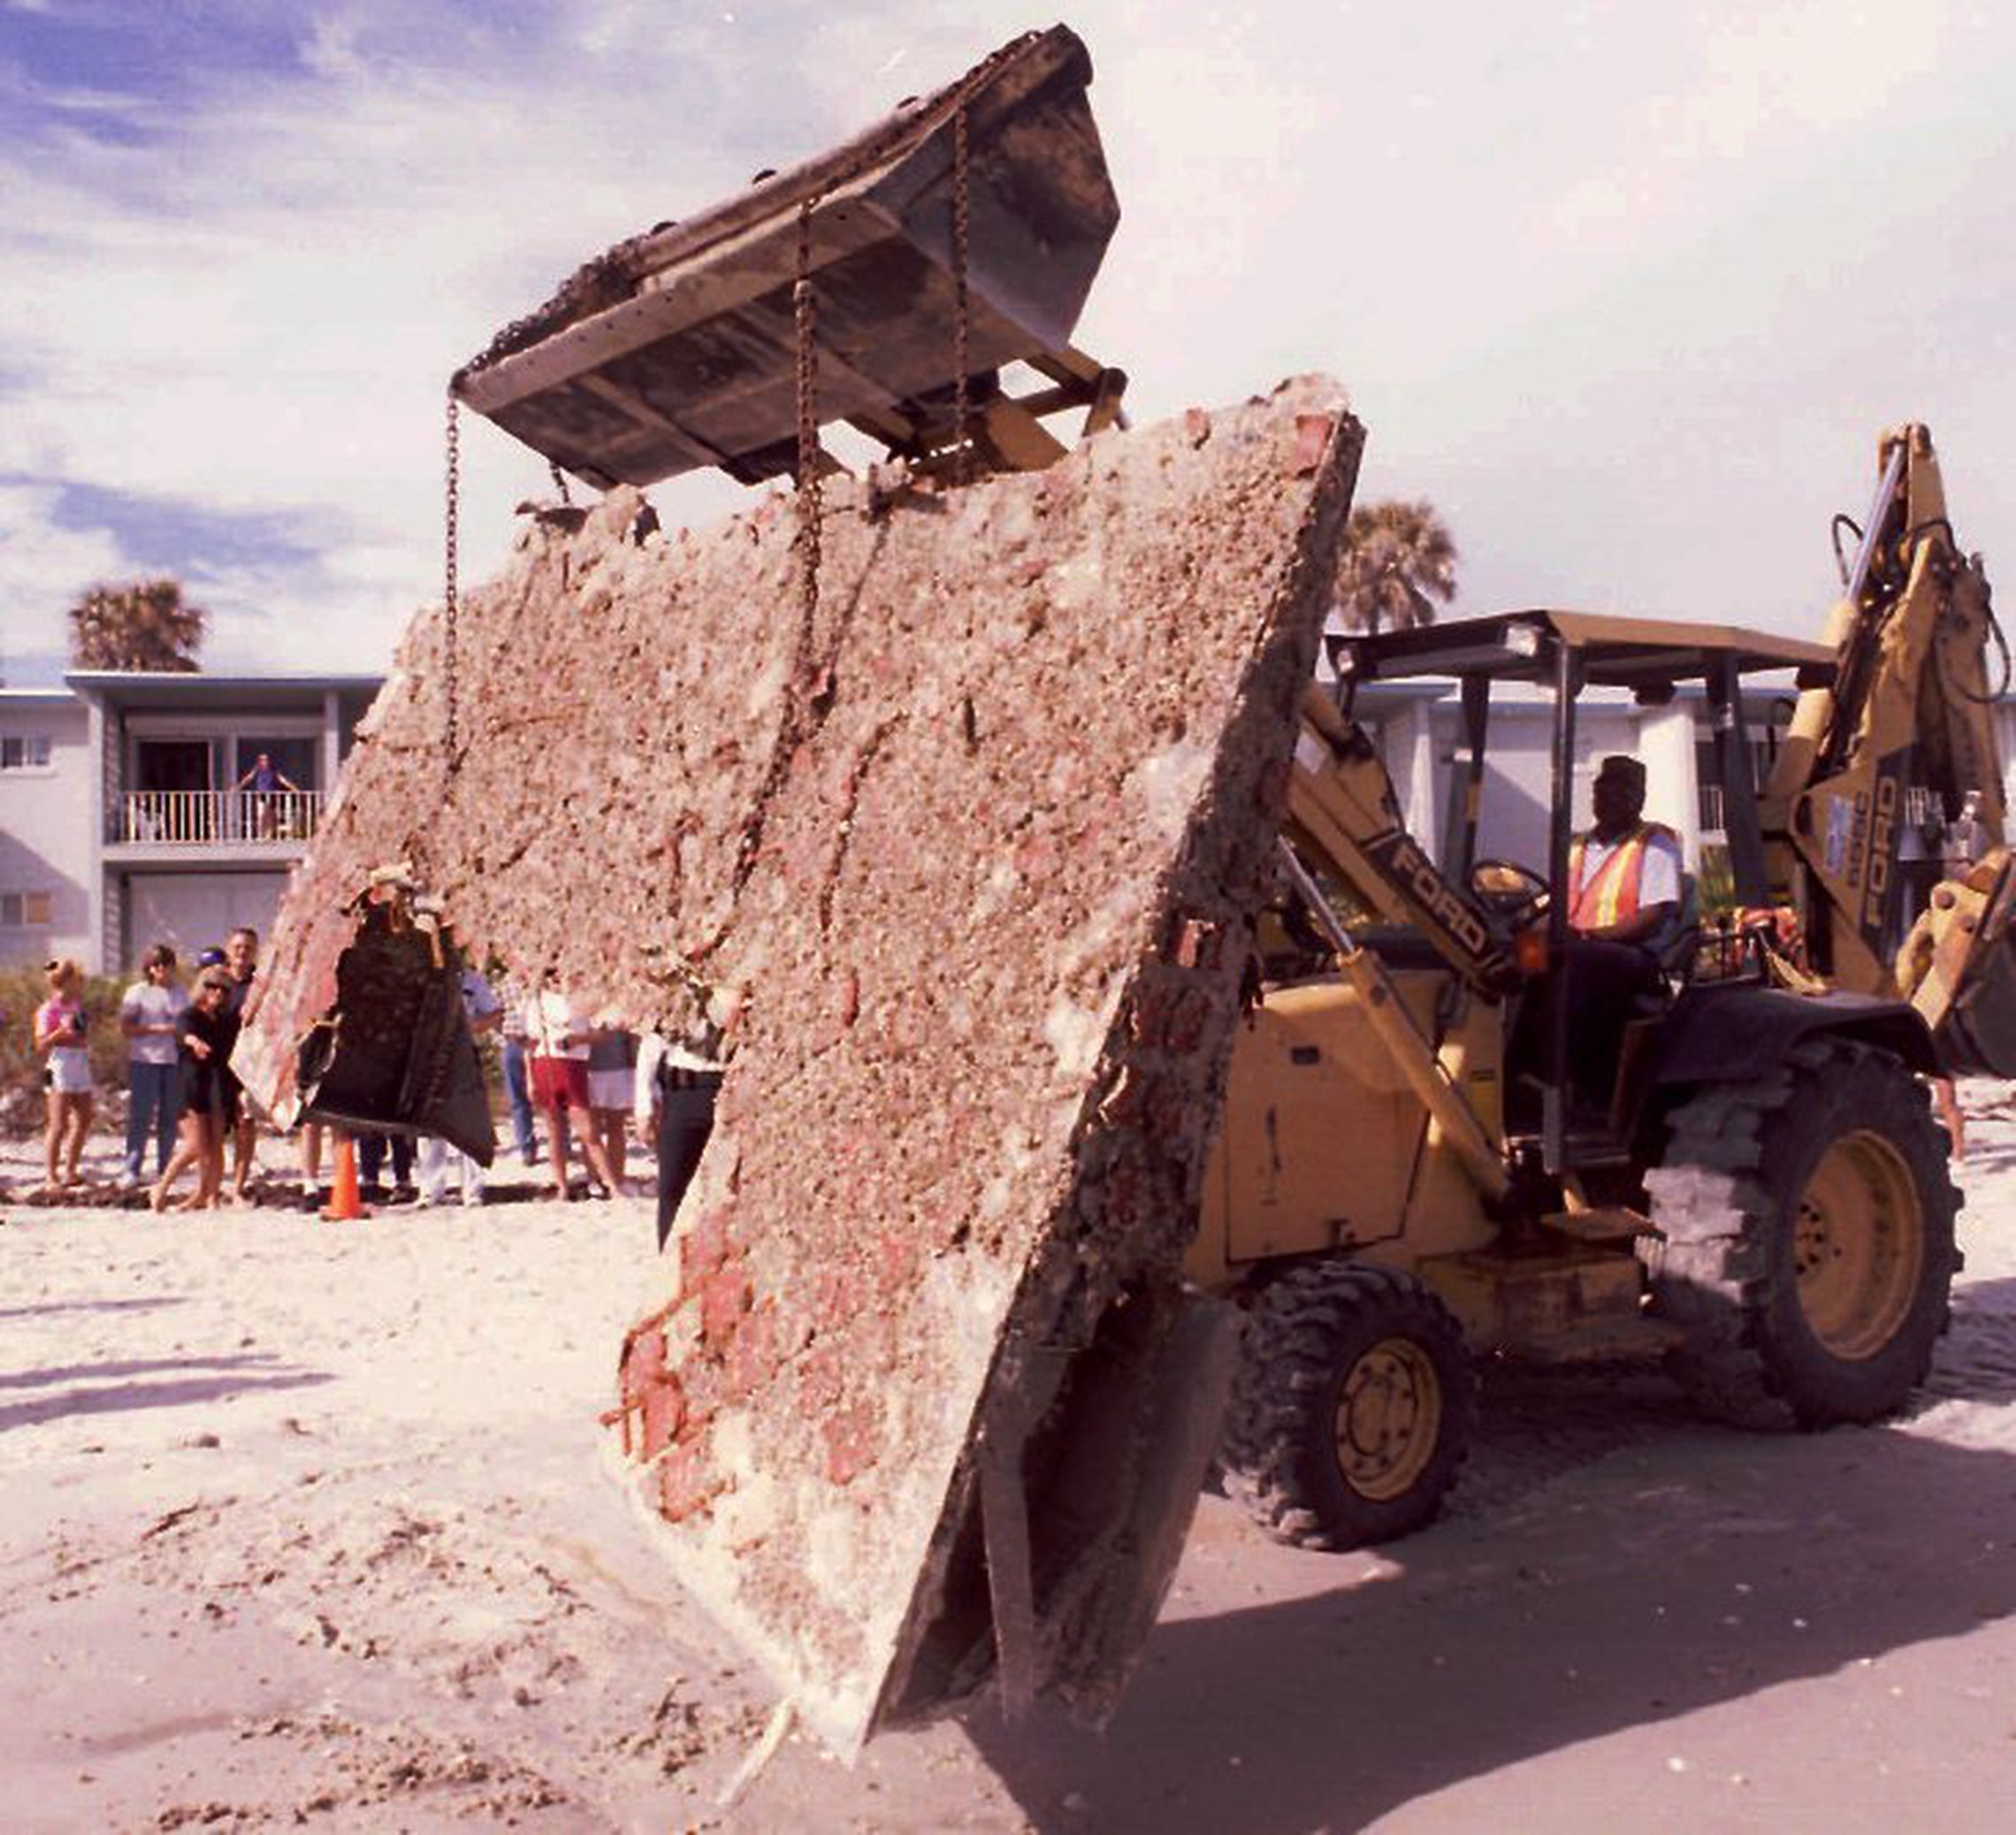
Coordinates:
(1708,780)
(24,751)
(25,911)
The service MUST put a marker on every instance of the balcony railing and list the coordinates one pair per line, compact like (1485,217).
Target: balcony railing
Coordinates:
(180,818)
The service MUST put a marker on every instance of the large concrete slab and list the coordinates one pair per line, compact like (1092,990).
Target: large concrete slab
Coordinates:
(970,852)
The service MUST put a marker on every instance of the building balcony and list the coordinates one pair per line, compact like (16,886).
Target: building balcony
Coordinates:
(143,823)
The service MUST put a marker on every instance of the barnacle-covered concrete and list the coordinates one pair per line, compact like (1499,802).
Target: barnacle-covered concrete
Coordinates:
(968,858)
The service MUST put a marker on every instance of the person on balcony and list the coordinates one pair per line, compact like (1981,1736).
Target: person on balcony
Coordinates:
(261,788)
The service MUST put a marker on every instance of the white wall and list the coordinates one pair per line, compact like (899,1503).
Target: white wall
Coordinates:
(1667,740)
(45,835)
(192,911)
(1518,782)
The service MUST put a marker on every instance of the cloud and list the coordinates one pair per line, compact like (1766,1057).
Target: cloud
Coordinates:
(41,565)
(1616,288)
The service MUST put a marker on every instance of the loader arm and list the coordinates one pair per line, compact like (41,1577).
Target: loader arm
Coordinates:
(1909,701)
(1343,814)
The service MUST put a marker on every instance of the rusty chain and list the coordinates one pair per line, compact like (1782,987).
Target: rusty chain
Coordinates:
(962,406)
(451,588)
(805,314)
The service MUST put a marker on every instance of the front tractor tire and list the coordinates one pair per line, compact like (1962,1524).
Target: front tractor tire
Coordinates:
(1352,1408)
(1806,1241)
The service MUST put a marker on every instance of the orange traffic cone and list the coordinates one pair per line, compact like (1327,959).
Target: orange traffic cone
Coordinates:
(344,1206)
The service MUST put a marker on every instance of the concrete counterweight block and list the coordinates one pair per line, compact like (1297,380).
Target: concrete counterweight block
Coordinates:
(968,857)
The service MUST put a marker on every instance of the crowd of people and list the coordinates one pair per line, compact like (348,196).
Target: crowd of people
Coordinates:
(181,1095)
(575,1072)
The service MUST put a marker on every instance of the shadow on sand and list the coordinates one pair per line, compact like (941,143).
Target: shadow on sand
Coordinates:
(261,1362)
(209,1380)
(1986,1159)
(1589,1585)
(48,1308)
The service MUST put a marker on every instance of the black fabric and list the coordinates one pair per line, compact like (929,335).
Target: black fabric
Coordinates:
(685,1119)
(233,1018)
(208,1088)
(1607,982)
(395,1054)
(371,1158)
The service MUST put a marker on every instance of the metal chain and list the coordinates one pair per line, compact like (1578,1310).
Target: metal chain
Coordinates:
(962,408)
(451,591)
(805,312)
(559,481)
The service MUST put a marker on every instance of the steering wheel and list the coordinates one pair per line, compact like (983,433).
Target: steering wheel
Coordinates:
(1509,890)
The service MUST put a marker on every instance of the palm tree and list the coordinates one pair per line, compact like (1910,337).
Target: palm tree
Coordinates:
(144,624)
(1398,559)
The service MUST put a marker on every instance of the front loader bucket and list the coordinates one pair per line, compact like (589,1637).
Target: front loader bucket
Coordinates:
(1959,968)
(678,349)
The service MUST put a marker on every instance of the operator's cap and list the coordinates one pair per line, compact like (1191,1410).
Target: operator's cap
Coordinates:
(1622,765)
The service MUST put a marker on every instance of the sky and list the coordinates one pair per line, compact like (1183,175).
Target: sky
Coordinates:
(1628,292)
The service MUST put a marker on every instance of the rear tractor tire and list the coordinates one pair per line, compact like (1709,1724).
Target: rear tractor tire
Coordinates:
(1806,1246)
(1351,1409)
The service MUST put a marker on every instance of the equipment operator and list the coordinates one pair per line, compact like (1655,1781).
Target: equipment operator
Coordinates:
(1624,906)
(1624,874)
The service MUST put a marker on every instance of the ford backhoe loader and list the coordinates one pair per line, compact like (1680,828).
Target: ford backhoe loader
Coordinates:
(1408,1177)
(1790,1256)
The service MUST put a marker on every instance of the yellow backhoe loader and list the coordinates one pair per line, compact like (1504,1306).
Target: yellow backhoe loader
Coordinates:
(1416,1167)
(1409,1174)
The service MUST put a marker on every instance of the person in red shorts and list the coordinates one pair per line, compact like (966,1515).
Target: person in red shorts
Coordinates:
(559,1036)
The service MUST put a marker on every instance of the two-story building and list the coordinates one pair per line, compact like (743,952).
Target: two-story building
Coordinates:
(133,806)
(127,813)
(45,821)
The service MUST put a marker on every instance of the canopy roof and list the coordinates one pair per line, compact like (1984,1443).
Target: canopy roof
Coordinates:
(1645,655)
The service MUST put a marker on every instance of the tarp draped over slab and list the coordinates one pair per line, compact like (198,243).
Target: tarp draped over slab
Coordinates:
(972,855)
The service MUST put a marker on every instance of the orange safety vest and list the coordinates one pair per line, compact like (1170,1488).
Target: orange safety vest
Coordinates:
(1611,896)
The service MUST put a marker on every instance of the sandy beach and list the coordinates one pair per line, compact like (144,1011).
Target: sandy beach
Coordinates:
(305,1523)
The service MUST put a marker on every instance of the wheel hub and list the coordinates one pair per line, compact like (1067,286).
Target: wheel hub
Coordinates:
(1389,1416)
(1858,1245)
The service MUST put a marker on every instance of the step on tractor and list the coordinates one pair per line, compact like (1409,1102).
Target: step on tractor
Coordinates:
(1437,1145)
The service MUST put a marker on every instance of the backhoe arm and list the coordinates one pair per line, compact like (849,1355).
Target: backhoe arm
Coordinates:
(1911,702)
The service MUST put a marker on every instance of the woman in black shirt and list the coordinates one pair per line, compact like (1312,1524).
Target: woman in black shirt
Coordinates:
(202,1031)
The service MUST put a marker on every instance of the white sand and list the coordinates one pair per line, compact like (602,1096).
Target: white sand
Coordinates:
(305,1522)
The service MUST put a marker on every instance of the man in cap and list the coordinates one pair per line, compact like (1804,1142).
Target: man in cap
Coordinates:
(1624,898)
(1624,874)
